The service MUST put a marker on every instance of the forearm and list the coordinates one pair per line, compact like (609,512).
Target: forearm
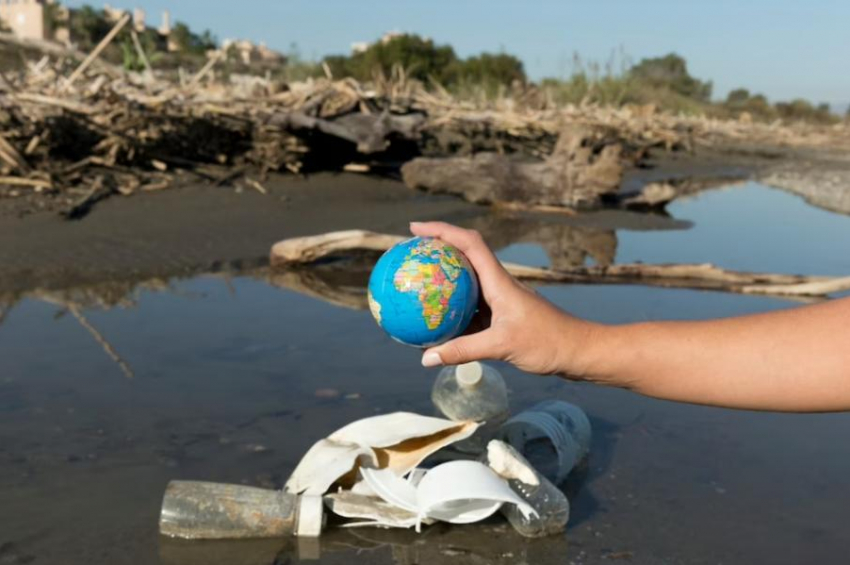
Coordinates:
(792,360)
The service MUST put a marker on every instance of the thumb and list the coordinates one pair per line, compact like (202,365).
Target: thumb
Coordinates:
(461,350)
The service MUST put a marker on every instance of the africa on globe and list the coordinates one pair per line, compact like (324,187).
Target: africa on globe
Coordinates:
(423,292)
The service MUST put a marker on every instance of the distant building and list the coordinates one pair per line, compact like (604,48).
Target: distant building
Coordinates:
(139,20)
(112,14)
(247,52)
(26,18)
(359,47)
(390,35)
(165,26)
(363,46)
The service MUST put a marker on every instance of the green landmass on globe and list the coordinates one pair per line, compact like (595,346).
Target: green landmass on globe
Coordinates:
(423,291)
(434,282)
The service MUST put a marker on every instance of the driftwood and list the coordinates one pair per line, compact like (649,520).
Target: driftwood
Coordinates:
(297,252)
(97,50)
(584,168)
(303,250)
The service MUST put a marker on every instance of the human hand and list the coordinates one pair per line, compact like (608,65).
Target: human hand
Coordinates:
(523,328)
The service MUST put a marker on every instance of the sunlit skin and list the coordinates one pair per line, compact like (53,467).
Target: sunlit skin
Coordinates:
(794,360)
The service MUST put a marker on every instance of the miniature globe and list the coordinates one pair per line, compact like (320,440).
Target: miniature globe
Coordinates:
(423,292)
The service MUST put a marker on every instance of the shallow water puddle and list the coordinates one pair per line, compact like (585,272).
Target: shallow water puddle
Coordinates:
(233,379)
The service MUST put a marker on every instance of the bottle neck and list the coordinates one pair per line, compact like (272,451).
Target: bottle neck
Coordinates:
(469,375)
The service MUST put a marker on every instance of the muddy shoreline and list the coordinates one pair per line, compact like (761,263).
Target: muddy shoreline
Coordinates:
(198,228)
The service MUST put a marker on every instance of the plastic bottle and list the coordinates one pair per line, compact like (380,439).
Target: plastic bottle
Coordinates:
(554,436)
(550,504)
(202,510)
(472,391)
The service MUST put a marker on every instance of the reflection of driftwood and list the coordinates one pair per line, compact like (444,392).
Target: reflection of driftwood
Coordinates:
(310,282)
(98,337)
(565,244)
(584,168)
(300,251)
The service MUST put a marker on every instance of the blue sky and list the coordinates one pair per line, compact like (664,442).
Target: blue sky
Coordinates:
(782,48)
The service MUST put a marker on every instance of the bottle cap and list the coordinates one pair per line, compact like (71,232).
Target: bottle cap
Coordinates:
(310,516)
(469,374)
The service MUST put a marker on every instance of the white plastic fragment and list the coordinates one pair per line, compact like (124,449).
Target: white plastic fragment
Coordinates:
(509,464)
(311,516)
(397,441)
(459,492)
(369,511)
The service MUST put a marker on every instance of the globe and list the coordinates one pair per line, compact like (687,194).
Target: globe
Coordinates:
(423,292)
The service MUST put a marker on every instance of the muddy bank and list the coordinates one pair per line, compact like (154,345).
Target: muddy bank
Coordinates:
(196,228)
(822,178)
(200,228)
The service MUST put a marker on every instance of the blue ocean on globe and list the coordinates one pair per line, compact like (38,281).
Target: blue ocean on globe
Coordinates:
(423,292)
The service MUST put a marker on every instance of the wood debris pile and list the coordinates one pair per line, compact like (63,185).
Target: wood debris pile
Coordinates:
(81,130)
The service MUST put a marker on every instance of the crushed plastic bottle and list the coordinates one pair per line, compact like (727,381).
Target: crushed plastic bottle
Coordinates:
(203,510)
(551,506)
(554,436)
(472,391)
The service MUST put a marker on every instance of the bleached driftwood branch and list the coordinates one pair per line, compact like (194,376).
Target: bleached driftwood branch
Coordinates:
(305,250)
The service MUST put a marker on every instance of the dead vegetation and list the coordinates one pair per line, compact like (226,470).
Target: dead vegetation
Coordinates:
(78,130)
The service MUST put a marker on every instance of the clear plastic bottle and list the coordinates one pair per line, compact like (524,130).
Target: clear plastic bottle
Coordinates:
(203,510)
(472,391)
(554,436)
(550,504)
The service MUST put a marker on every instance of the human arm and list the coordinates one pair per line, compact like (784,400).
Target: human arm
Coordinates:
(795,360)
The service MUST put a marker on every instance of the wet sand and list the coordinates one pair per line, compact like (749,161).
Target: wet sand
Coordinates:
(196,228)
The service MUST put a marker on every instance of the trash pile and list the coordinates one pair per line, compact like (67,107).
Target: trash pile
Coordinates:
(405,470)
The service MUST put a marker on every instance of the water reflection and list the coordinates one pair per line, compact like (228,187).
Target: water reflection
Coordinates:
(568,241)
(490,542)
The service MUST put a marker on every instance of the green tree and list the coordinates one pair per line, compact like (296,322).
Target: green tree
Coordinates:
(421,58)
(189,42)
(490,69)
(88,26)
(738,96)
(671,71)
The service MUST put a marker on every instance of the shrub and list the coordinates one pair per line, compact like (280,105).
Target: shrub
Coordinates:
(671,71)
(424,60)
(803,110)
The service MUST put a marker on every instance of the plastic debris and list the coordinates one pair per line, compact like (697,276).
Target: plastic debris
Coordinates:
(554,436)
(397,441)
(458,492)
(552,508)
(203,510)
(472,391)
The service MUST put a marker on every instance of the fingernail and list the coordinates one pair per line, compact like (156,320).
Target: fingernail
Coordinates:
(415,224)
(431,359)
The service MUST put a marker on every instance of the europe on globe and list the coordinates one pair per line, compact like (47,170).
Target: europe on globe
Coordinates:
(423,292)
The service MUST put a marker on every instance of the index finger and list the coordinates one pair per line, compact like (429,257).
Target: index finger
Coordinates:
(490,271)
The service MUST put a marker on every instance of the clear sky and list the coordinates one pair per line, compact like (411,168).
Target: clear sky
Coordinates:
(782,48)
